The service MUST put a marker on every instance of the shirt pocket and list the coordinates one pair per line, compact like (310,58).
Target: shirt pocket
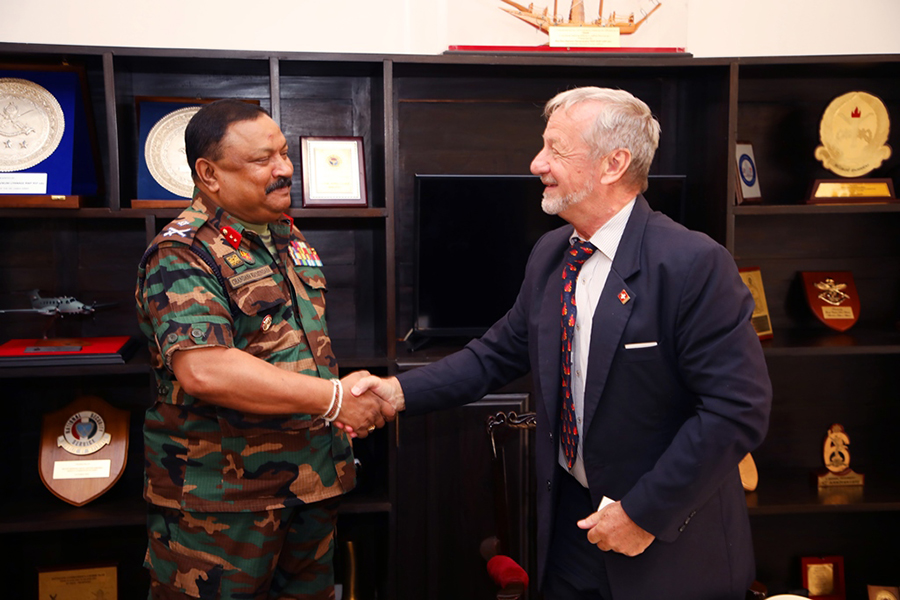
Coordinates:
(259,297)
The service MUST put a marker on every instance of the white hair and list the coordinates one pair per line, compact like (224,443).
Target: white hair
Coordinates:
(623,122)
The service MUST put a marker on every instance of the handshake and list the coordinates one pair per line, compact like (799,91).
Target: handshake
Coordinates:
(368,402)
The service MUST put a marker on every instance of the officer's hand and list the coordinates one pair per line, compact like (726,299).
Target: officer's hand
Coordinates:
(361,413)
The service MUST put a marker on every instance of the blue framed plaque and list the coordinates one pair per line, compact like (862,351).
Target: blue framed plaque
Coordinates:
(47,145)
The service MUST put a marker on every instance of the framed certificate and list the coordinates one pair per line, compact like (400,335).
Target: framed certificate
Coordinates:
(334,172)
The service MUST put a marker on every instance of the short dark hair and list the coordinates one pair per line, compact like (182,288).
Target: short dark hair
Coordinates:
(204,132)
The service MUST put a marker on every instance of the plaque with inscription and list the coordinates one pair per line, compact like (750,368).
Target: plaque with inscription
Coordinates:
(854,133)
(823,576)
(760,320)
(48,146)
(84,447)
(832,297)
(164,175)
(165,154)
(31,124)
(94,582)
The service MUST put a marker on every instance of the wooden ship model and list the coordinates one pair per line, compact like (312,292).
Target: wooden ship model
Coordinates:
(541,19)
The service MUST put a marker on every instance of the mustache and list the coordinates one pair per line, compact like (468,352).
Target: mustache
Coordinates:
(548,180)
(281,182)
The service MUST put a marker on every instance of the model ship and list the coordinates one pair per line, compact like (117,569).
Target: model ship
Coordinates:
(541,19)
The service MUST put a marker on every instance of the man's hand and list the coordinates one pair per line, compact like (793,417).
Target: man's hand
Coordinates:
(612,529)
(362,412)
(388,390)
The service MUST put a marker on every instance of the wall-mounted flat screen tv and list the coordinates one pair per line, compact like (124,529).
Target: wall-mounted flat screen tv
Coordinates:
(473,237)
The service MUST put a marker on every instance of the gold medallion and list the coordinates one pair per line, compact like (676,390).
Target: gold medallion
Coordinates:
(854,132)
(31,124)
(165,154)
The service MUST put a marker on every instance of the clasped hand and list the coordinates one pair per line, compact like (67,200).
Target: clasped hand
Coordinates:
(367,403)
(383,395)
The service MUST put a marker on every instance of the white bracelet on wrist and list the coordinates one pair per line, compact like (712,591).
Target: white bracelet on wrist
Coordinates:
(337,400)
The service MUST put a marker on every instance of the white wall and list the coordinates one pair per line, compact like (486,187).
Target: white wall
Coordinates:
(704,27)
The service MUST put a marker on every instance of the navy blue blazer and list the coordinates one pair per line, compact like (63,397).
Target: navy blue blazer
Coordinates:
(665,425)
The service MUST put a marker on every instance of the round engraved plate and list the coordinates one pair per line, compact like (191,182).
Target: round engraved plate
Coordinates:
(854,132)
(31,124)
(165,154)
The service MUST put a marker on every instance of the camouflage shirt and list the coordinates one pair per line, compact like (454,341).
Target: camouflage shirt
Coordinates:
(206,281)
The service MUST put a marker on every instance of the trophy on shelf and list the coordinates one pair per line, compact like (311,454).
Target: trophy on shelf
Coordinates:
(836,457)
(752,278)
(854,133)
(832,297)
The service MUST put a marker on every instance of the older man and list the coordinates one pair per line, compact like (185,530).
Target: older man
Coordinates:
(649,379)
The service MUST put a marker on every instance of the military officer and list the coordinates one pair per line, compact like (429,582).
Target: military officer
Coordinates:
(243,468)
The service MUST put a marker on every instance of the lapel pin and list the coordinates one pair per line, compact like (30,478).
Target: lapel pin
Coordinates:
(624,297)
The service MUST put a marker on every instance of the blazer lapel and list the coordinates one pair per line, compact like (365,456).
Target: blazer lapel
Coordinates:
(614,309)
(549,332)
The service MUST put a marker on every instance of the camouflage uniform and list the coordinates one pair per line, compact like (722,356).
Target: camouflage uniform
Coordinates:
(206,281)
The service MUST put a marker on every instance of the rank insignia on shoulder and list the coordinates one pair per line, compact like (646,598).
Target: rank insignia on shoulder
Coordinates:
(304,255)
(233,260)
(232,236)
(172,230)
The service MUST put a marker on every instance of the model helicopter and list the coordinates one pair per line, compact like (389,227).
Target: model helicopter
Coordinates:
(57,306)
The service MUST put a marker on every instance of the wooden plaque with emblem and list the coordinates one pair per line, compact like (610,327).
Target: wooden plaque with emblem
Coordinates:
(832,297)
(84,447)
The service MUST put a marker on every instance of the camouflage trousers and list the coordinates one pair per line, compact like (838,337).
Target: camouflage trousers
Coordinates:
(277,554)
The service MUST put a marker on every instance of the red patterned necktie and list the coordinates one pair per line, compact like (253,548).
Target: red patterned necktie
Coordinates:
(577,254)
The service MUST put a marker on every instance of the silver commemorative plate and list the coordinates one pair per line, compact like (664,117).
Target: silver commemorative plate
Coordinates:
(31,124)
(165,154)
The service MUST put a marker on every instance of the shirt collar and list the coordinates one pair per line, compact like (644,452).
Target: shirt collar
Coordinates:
(607,238)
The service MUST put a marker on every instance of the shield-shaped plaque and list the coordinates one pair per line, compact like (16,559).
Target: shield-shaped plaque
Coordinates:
(832,297)
(84,447)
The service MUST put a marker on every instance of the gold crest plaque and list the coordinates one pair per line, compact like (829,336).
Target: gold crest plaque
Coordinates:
(854,133)
(31,124)
(165,153)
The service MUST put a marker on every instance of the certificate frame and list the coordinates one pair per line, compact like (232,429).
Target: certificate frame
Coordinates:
(333,172)
(747,190)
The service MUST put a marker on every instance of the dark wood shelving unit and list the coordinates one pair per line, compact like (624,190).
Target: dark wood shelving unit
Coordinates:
(423,502)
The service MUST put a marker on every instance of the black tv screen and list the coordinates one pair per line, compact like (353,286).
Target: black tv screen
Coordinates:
(473,237)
